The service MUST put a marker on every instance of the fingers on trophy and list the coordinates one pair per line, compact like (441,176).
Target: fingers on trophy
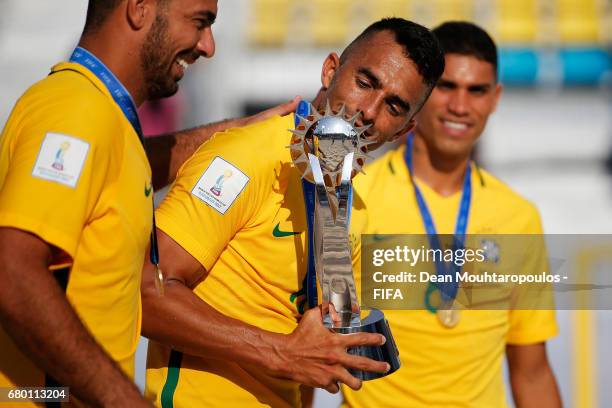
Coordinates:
(329,149)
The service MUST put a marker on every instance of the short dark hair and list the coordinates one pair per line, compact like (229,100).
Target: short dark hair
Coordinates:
(419,44)
(97,12)
(464,38)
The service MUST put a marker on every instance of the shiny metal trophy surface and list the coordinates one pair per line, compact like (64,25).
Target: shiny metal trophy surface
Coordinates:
(329,149)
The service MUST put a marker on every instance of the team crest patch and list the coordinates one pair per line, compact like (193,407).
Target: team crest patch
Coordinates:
(61,159)
(220,185)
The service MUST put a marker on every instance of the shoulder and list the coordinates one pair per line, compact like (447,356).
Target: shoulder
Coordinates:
(508,203)
(265,138)
(387,172)
(69,102)
(384,165)
(380,167)
(255,149)
(507,196)
(65,109)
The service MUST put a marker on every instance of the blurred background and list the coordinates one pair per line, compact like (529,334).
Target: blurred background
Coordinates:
(551,138)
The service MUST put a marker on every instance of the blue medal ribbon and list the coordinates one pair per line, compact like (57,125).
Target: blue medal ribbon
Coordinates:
(123,99)
(308,189)
(120,95)
(311,275)
(448,290)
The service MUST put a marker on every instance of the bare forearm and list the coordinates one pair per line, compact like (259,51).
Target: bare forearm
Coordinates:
(180,319)
(531,377)
(538,390)
(35,313)
(167,153)
(310,354)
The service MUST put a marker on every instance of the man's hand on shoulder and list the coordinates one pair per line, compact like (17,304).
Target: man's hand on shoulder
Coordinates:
(281,110)
(167,153)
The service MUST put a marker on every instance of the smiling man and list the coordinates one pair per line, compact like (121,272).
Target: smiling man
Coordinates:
(229,331)
(421,188)
(76,202)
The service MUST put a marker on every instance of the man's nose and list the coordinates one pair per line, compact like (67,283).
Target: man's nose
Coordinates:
(206,43)
(370,109)
(458,103)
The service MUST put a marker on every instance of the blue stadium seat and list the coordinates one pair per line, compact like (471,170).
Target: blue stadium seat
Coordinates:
(584,66)
(518,66)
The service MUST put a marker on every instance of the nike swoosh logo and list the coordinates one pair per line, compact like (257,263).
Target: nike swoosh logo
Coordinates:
(280,234)
(148,190)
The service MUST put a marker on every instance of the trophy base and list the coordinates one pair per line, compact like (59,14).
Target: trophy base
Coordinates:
(375,322)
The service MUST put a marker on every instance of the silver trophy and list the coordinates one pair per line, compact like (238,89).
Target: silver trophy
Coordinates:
(328,149)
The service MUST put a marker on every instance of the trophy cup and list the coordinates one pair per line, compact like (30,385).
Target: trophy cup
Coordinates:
(328,149)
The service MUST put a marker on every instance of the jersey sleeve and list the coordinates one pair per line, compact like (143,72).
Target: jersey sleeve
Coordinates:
(533,319)
(215,194)
(58,152)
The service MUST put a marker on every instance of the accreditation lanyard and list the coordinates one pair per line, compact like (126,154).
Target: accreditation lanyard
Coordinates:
(448,290)
(308,189)
(122,97)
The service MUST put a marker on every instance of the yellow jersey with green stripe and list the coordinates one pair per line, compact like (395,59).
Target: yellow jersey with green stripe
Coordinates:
(443,367)
(237,206)
(74,173)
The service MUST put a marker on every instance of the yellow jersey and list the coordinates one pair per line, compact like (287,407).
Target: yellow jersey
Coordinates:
(443,367)
(237,207)
(74,173)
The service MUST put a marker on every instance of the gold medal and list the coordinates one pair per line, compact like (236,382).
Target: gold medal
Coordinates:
(449,317)
(158,277)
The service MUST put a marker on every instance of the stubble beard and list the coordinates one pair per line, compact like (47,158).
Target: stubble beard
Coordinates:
(156,61)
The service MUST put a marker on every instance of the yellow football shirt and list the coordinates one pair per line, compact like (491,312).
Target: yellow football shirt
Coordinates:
(444,367)
(74,173)
(237,206)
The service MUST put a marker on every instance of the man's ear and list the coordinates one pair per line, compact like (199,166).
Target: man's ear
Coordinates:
(140,12)
(330,66)
(409,126)
(499,88)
